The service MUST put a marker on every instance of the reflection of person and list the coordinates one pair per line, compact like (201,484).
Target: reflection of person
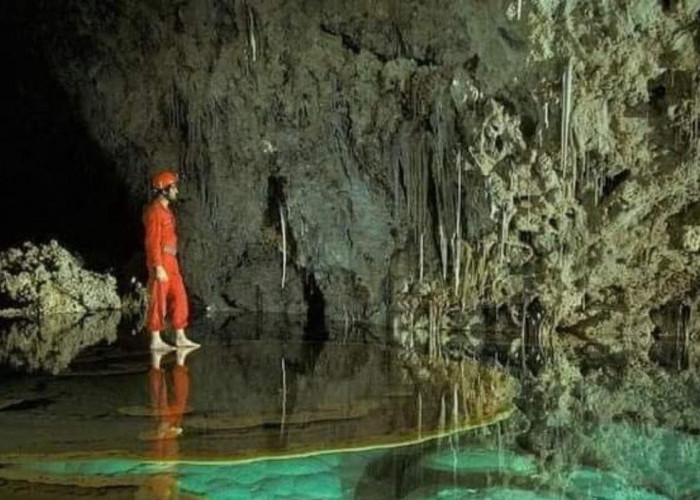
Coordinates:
(168,410)
(166,289)
(157,487)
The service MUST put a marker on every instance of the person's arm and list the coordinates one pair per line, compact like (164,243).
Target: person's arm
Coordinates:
(153,245)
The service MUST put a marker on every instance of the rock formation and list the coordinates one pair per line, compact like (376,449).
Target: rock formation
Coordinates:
(45,280)
(535,156)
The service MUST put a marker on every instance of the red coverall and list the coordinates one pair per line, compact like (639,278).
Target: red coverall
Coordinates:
(161,249)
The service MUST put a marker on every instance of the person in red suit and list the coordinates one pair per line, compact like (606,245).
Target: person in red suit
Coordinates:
(166,291)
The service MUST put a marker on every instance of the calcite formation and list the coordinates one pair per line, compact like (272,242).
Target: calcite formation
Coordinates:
(44,280)
(594,191)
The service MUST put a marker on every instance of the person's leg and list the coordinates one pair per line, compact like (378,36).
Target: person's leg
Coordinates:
(181,379)
(180,311)
(155,317)
(157,389)
(182,353)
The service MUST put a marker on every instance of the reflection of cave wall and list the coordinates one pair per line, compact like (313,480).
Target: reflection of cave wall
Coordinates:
(55,181)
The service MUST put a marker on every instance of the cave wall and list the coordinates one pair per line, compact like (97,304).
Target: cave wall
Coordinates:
(311,108)
(369,125)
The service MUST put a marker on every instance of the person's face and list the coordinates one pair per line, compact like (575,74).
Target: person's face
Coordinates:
(171,193)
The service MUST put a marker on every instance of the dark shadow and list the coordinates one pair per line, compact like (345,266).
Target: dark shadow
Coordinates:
(55,182)
(315,329)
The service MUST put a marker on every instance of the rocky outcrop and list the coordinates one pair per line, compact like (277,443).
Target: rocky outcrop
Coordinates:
(591,180)
(45,280)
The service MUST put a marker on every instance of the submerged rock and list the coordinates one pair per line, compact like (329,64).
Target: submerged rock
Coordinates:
(470,461)
(39,280)
(496,493)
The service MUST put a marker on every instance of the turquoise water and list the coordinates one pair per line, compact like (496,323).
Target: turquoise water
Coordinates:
(269,415)
(642,464)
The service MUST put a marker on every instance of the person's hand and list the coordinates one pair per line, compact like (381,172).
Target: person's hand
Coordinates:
(161,275)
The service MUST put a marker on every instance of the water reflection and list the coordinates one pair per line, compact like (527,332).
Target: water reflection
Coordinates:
(50,343)
(303,417)
(633,463)
(272,417)
(169,391)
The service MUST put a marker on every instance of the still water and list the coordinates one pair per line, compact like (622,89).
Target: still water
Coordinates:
(265,410)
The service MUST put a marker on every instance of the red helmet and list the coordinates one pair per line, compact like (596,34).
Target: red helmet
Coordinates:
(163,179)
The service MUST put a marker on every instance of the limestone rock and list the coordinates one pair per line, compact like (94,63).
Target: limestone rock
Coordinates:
(691,238)
(48,279)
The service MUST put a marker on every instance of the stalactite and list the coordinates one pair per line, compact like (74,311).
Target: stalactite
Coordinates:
(443,411)
(693,131)
(284,245)
(284,397)
(566,115)
(458,227)
(421,257)
(252,34)
(443,252)
(574,168)
(420,415)
(397,200)
(523,340)
(455,407)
